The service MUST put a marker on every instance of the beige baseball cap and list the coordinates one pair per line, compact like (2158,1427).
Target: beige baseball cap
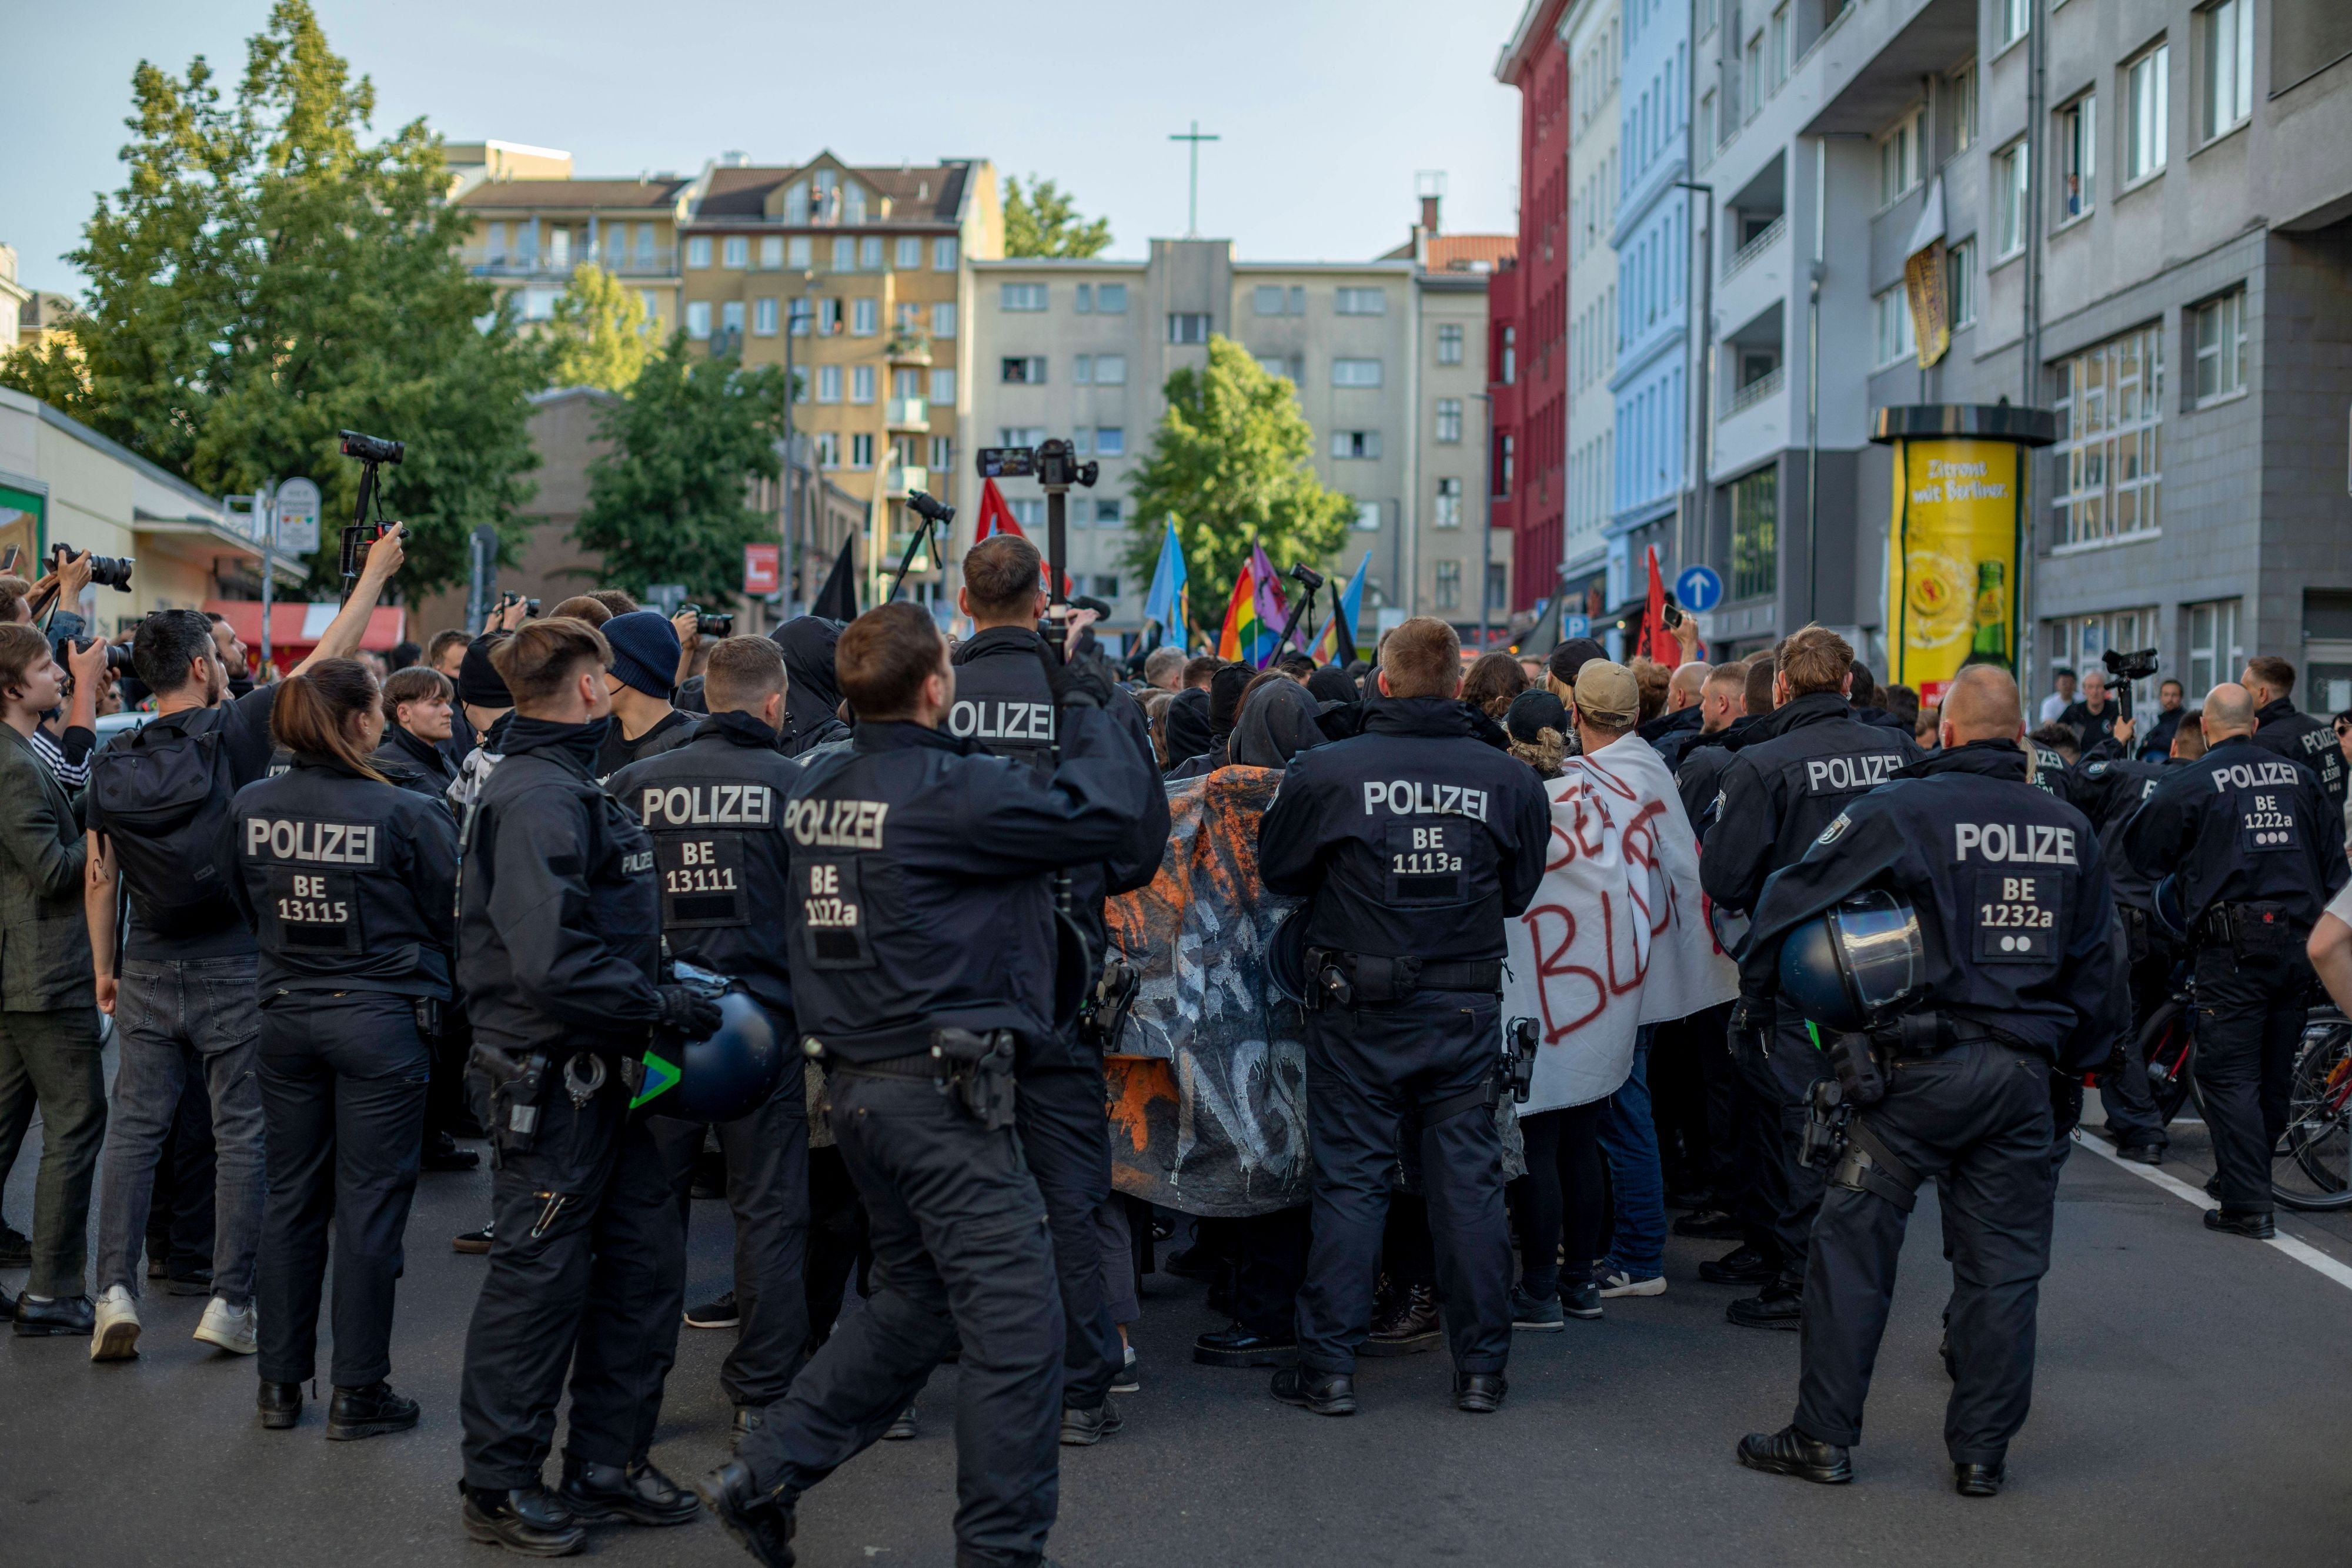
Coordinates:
(1606,692)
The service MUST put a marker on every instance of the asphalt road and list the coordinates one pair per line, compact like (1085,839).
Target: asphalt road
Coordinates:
(2190,1408)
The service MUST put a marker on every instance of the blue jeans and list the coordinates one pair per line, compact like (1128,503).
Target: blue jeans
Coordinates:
(1629,1136)
(208,1005)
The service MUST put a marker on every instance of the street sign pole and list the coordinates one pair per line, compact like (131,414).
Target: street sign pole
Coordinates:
(265,516)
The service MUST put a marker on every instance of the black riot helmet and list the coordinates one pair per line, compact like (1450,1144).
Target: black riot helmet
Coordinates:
(1856,965)
(727,1074)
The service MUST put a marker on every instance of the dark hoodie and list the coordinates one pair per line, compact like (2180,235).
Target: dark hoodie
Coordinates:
(812,692)
(1275,726)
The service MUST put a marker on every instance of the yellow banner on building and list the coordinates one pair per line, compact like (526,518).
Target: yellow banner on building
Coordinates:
(1952,559)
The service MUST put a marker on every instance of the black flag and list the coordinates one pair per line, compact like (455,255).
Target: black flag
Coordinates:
(837,600)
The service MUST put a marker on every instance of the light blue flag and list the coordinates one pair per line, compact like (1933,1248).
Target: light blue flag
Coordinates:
(1167,601)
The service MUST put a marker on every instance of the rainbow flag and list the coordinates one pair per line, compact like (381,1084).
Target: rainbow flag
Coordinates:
(1241,616)
(1254,615)
(1335,645)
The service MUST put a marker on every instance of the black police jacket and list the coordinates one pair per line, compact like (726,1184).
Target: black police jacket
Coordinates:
(2156,741)
(1698,775)
(1793,771)
(2241,825)
(412,764)
(1004,705)
(1413,839)
(2051,775)
(714,809)
(1670,732)
(560,914)
(2109,791)
(2284,730)
(920,874)
(347,883)
(2011,894)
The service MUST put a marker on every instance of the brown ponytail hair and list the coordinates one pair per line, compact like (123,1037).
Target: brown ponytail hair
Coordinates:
(313,713)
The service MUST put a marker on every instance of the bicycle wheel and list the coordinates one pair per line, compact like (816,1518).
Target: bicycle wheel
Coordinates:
(2166,1046)
(2311,1169)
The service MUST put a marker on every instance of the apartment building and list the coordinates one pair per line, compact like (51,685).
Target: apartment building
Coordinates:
(534,221)
(1593,34)
(1383,355)
(15,298)
(2145,206)
(1528,358)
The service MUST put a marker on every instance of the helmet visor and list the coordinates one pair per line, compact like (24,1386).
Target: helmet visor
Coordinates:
(1880,948)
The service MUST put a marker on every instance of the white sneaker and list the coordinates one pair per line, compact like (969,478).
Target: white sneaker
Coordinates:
(1619,1282)
(114,1336)
(231,1328)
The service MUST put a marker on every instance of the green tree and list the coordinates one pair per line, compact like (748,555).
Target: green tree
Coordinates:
(666,503)
(1230,462)
(266,276)
(1042,221)
(597,336)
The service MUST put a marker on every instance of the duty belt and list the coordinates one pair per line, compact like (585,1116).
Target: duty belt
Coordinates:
(2229,924)
(1349,979)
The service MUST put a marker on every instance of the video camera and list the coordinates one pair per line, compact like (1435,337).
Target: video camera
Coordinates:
(710,623)
(362,535)
(2125,668)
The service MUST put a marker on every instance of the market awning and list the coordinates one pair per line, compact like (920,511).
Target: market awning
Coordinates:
(301,625)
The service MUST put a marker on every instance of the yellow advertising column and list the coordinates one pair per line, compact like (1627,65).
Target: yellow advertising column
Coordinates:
(1956,554)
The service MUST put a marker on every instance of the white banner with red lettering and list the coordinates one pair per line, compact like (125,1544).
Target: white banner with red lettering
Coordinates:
(1617,935)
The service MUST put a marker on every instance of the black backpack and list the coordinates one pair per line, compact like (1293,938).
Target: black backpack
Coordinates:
(163,794)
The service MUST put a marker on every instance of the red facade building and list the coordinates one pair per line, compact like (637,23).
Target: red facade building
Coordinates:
(1527,312)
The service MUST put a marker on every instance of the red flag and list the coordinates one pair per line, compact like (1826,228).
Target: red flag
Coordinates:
(1665,647)
(996,518)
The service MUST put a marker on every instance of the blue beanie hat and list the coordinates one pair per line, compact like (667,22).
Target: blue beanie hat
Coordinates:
(645,650)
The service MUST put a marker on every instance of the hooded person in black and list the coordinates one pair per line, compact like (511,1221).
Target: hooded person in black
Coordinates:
(1188,727)
(1225,689)
(813,695)
(1276,724)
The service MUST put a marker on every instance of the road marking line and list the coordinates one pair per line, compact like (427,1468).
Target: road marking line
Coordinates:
(2303,1252)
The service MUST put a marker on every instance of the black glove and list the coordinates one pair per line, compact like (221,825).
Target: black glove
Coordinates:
(687,1012)
(1081,683)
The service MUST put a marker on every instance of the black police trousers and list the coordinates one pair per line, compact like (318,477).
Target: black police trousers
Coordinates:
(587,1272)
(962,1254)
(1778,1066)
(1975,1119)
(1368,1069)
(343,1097)
(768,1191)
(1066,1138)
(2249,1013)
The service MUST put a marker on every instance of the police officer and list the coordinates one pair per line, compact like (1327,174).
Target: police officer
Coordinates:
(1413,843)
(560,956)
(2011,925)
(714,808)
(920,938)
(2256,844)
(348,882)
(1791,775)
(1003,702)
(2282,729)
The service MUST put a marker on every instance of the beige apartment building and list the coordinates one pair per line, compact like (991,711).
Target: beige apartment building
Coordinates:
(534,222)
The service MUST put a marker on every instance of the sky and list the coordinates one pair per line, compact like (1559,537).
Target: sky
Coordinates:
(1328,110)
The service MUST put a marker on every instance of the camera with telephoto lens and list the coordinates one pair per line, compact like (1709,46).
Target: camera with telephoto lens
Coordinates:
(710,622)
(361,536)
(105,571)
(373,448)
(529,606)
(118,655)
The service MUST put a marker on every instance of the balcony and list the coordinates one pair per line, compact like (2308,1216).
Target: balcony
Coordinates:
(901,477)
(908,413)
(1757,391)
(908,346)
(661,261)
(1755,247)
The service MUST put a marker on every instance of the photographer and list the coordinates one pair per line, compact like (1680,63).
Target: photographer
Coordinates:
(347,882)
(158,810)
(643,673)
(49,1026)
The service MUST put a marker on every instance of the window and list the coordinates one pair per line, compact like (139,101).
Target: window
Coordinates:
(2147,86)
(1449,345)
(797,252)
(828,383)
(828,317)
(910,254)
(2215,654)
(735,250)
(1449,419)
(771,252)
(2078,158)
(1895,339)
(828,449)
(2110,407)
(1020,435)
(1449,504)
(1964,109)
(1506,454)
(2220,338)
(943,453)
(1106,587)
(1274,365)
(1265,299)
(861,452)
(844,253)
(1110,441)
(559,249)
(909,317)
(1106,513)
(1449,585)
(865,317)
(1368,516)
(1110,369)
(651,299)
(730,318)
(1084,304)
(1754,529)
(1752,74)
(861,383)
(869,253)
(697,320)
(1707,134)
(943,391)
(2012,186)
(1509,358)
(1961,288)
(796,205)
(1355,373)
(2016,19)
(943,253)
(1898,159)
(1363,302)
(1110,298)
(1082,369)
(943,318)
(1498,585)
(697,251)
(1187,327)
(853,203)
(1355,443)
(2227,38)
(1024,369)
(906,383)
(1778,47)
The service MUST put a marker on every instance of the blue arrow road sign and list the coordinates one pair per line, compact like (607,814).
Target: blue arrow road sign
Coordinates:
(1698,589)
